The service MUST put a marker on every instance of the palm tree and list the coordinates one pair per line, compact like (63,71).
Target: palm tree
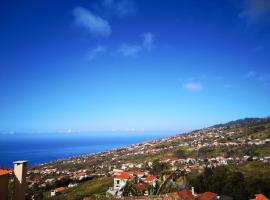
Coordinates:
(167,185)
(154,188)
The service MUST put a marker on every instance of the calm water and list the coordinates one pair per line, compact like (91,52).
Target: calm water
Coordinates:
(41,148)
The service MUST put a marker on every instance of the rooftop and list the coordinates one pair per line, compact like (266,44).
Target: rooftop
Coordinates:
(127,175)
(207,196)
(20,162)
(4,171)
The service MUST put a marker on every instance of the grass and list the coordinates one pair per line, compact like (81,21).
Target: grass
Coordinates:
(256,168)
(87,189)
(148,157)
(263,150)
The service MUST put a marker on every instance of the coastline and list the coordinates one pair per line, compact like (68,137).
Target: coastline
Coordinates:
(46,149)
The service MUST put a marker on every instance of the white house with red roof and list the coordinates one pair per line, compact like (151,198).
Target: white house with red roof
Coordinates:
(120,179)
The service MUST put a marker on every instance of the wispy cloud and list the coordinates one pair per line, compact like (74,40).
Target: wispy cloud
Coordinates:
(264,77)
(92,23)
(133,50)
(96,51)
(129,50)
(261,78)
(249,74)
(126,7)
(257,76)
(148,41)
(120,7)
(193,86)
(255,11)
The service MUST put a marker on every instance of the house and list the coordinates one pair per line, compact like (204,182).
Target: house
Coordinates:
(260,197)
(120,179)
(141,180)
(19,172)
(207,196)
(150,179)
(57,191)
(72,185)
(184,194)
(4,176)
(171,160)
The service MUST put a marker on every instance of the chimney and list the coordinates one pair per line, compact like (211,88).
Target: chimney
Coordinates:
(19,180)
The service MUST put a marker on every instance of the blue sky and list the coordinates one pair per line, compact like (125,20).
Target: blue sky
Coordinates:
(132,65)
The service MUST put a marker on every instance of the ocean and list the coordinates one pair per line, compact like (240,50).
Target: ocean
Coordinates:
(42,148)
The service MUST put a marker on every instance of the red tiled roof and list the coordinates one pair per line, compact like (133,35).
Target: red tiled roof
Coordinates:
(260,197)
(124,175)
(207,196)
(127,175)
(183,195)
(140,186)
(4,171)
(60,189)
(186,194)
(149,178)
(81,174)
(170,196)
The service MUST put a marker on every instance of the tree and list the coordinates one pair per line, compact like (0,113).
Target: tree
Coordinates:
(159,167)
(235,186)
(131,190)
(153,189)
(180,153)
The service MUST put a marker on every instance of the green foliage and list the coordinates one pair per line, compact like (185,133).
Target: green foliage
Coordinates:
(235,186)
(62,182)
(87,189)
(170,184)
(240,183)
(131,190)
(180,153)
(158,168)
(154,189)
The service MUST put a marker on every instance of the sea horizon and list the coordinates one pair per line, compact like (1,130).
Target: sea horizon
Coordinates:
(43,148)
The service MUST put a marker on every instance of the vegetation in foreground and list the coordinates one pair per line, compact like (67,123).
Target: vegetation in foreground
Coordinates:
(241,182)
(92,188)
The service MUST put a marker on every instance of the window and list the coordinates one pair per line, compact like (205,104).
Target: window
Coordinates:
(117,182)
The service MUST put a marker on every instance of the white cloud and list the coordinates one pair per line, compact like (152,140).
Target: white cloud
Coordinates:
(92,23)
(193,86)
(120,7)
(256,11)
(94,52)
(133,50)
(129,50)
(148,40)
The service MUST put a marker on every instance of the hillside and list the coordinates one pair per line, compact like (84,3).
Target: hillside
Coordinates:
(242,145)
